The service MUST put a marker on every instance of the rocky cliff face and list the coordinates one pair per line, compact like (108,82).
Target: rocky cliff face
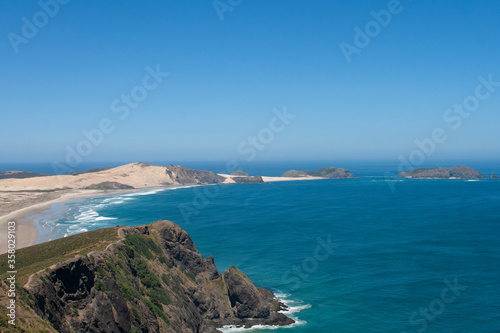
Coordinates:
(185,176)
(248,180)
(457,172)
(152,280)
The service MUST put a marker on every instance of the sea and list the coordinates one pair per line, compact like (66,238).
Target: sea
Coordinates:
(370,254)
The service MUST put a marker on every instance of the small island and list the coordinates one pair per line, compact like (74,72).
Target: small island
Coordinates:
(456,172)
(329,172)
(494,176)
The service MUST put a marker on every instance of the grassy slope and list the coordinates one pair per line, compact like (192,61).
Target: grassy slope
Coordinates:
(35,258)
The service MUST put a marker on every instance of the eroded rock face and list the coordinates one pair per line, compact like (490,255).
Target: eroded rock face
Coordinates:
(186,176)
(248,180)
(153,280)
(493,176)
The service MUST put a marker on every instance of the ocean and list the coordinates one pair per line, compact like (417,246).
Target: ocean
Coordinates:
(371,254)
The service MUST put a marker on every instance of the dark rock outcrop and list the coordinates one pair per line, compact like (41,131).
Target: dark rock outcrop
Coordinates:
(493,176)
(109,186)
(186,176)
(457,172)
(248,180)
(329,172)
(152,280)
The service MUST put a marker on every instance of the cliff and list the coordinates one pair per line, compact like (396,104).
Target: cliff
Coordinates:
(328,172)
(149,278)
(457,172)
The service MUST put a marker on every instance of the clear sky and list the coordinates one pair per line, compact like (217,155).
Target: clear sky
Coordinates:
(225,78)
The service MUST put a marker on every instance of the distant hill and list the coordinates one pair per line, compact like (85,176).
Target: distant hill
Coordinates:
(456,172)
(20,174)
(239,173)
(149,278)
(328,172)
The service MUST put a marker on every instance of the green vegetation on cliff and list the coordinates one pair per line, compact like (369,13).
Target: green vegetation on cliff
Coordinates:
(144,279)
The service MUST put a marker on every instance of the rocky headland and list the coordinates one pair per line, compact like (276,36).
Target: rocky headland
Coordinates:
(149,278)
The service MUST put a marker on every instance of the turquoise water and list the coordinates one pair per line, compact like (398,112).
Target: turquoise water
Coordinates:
(371,254)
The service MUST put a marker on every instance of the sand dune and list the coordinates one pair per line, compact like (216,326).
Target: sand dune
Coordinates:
(27,196)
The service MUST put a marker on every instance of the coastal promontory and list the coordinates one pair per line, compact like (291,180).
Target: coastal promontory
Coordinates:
(149,278)
(328,172)
(456,172)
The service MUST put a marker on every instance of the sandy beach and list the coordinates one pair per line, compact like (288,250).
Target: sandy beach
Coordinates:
(25,204)
(21,198)
(266,179)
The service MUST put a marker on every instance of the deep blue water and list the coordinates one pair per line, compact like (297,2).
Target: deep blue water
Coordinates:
(371,254)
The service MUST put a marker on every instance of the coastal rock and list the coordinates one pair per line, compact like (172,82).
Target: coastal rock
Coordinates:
(248,180)
(239,173)
(493,176)
(329,172)
(457,172)
(185,176)
(149,278)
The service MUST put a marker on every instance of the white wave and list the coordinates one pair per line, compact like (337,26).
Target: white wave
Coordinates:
(88,213)
(103,218)
(148,192)
(296,309)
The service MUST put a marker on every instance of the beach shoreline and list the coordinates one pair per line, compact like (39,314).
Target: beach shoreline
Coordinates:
(26,231)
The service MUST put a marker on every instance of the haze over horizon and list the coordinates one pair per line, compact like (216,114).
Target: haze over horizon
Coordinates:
(374,80)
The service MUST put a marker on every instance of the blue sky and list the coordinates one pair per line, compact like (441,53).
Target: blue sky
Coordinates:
(225,78)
